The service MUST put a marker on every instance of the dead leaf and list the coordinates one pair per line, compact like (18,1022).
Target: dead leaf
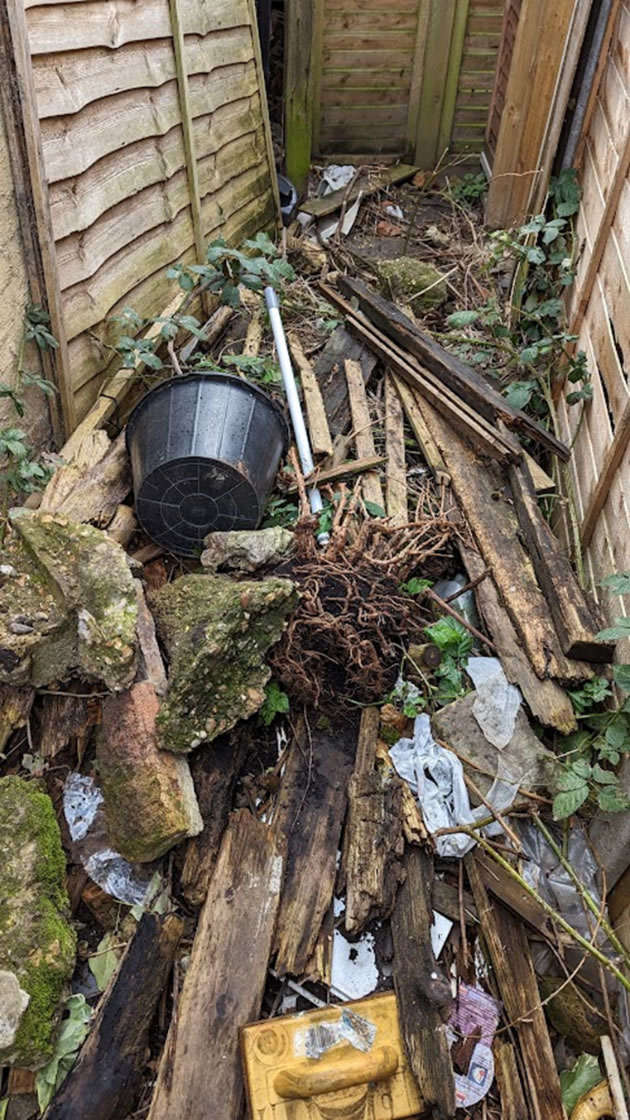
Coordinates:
(419,179)
(388,229)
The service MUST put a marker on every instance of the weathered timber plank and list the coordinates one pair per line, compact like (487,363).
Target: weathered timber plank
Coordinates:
(106,1081)
(396,470)
(319,432)
(424,439)
(423,992)
(225,980)
(362,430)
(479,492)
(576,621)
(61,718)
(456,374)
(15,708)
(374,842)
(320,207)
(309,818)
(513,1103)
(215,771)
(509,955)
(546,700)
(329,371)
(299,89)
(90,493)
(353,467)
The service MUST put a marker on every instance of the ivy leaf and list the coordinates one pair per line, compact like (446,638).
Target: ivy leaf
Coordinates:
(577,1081)
(619,582)
(616,734)
(567,803)
(462,318)
(519,393)
(105,961)
(567,209)
(535,255)
(230,295)
(528,355)
(583,394)
(621,677)
(615,633)
(374,509)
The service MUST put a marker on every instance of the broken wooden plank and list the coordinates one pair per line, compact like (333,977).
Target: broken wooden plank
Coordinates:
(414,829)
(329,371)
(479,491)
(93,484)
(123,525)
(15,708)
(423,992)
(502,886)
(513,1103)
(459,414)
(328,203)
(215,772)
(309,818)
(547,701)
(200,1069)
(424,439)
(374,842)
(543,482)
(61,719)
(510,957)
(396,470)
(106,1081)
(151,667)
(253,336)
(457,375)
(576,621)
(323,475)
(362,428)
(321,440)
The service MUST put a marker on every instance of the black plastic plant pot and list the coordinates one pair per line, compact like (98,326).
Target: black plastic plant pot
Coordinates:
(205,449)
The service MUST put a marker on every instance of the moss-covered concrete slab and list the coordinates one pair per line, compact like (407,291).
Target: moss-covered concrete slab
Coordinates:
(72,607)
(407,279)
(37,941)
(150,800)
(216,633)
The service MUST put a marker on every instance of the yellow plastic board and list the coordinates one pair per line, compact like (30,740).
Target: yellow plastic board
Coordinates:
(345,1061)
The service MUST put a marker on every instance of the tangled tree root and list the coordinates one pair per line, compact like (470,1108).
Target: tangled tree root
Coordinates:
(347,635)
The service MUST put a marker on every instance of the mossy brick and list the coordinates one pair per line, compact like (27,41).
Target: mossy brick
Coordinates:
(216,633)
(37,939)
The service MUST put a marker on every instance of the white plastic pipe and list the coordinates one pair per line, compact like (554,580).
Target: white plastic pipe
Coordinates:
(295,408)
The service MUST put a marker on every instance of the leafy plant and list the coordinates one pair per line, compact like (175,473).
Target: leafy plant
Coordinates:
(261,369)
(407,697)
(592,693)
(21,470)
(415,586)
(255,265)
(619,582)
(72,1034)
(276,703)
(471,187)
(456,643)
(133,350)
(527,341)
(280,511)
(589,755)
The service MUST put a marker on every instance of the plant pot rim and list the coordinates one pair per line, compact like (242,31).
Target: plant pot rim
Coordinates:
(206,375)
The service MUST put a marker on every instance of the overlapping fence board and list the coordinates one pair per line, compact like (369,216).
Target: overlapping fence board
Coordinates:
(407,78)
(598,313)
(124,201)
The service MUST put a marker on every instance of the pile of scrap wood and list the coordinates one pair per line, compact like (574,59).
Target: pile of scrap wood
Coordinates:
(301,872)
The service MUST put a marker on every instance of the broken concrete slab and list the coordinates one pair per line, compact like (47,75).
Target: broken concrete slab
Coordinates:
(408,279)
(72,608)
(524,759)
(246,550)
(150,801)
(37,940)
(216,633)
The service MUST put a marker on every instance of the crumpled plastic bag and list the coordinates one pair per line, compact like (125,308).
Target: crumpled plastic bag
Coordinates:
(436,776)
(496,702)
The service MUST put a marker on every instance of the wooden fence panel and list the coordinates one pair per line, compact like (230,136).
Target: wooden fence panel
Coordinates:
(598,314)
(155,139)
